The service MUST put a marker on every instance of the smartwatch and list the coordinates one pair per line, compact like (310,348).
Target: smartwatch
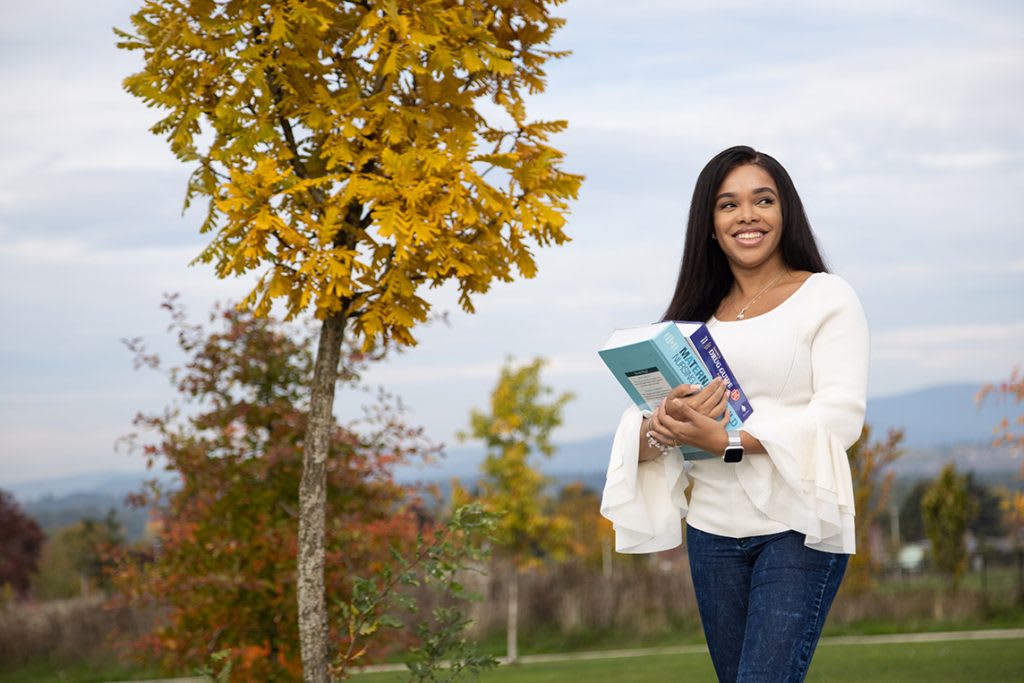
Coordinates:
(734,451)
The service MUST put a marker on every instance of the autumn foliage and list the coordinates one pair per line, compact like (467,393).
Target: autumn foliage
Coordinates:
(516,429)
(592,536)
(872,483)
(1010,434)
(21,542)
(223,568)
(356,151)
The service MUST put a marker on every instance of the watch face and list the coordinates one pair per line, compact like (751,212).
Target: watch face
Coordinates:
(733,454)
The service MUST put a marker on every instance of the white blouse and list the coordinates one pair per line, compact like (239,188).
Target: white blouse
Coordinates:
(804,368)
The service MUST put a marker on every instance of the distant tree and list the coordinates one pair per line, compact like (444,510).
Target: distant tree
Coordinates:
(345,150)
(57,577)
(911,524)
(517,425)
(20,544)
(77,559)
(592,535)
(947,510)
(989,522)
(225,562)
(872,484)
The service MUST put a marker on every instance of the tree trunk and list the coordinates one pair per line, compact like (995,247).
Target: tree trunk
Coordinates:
(512,628)
(312,501)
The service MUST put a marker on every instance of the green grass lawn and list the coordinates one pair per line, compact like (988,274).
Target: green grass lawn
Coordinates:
(44,672)
(932,662)
(975,661)
(1000,583)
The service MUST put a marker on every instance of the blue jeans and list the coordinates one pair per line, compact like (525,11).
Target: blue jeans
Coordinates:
(763,601)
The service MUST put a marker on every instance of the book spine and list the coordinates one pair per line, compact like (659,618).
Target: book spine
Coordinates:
(705,346)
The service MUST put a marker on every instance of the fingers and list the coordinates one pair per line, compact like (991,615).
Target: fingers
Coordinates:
(683,390)
(671,406)
(655,427)
(721,408)
(664,427)
(704,401)
(689,418)
(711,396)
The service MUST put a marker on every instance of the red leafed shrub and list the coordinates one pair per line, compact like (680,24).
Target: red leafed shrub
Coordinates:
(21,541)
(222,569)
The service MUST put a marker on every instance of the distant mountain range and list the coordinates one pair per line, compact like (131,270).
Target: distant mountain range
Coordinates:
(109,482)
(940,416)
(940,423)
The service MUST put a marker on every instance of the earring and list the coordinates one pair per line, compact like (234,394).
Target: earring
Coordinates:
(714,237)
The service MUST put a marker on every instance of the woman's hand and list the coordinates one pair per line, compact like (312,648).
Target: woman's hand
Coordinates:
(705,401)
(703,430)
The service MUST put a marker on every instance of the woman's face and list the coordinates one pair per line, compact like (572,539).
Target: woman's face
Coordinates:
(748,218)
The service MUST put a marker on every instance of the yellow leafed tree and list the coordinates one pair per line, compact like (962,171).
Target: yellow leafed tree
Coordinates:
(872,482)
(947,510)
(350,154)
(519,424)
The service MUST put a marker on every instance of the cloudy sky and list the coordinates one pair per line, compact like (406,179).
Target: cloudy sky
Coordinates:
(899,122)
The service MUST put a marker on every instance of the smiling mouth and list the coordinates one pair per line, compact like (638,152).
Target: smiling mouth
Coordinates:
(749,236)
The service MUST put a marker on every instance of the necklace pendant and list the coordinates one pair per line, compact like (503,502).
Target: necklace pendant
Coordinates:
(743,311)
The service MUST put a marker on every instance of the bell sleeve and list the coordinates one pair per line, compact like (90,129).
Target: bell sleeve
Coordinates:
(645,501)
(806,444)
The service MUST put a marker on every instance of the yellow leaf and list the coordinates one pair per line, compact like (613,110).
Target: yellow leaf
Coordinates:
(501,66)
(279,285)
(470,60)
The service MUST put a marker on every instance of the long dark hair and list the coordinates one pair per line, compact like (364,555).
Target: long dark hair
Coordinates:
(704,274)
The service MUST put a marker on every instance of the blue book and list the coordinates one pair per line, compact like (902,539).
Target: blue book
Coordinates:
(651,360)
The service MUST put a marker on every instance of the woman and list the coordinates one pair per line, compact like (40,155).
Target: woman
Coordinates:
(768,536)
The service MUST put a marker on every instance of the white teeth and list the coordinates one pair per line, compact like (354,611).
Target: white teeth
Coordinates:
(749,235)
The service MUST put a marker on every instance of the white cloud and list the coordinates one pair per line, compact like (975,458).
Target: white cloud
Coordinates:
(852,99)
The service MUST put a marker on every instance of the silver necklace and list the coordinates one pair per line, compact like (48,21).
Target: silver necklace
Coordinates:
(743,311)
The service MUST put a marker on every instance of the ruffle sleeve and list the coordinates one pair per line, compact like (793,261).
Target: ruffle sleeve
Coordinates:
(806,444)
(644,501)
